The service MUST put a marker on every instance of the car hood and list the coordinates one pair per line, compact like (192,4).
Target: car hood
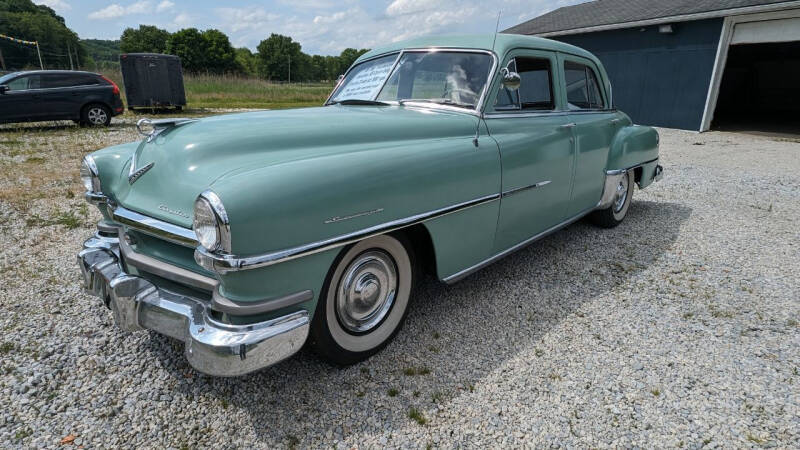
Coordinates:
(188,159)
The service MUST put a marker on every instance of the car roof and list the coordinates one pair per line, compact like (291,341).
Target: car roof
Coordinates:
(33,72)
(503,43)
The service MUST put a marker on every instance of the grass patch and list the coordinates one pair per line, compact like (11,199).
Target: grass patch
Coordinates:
(417,416)
(68,219)
(754,439)
(411,371)
(437,397)
(655,392)
(6,347)
(35,160)
(393,392)
(292,441)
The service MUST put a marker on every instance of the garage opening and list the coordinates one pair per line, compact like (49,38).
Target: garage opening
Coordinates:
(760,89)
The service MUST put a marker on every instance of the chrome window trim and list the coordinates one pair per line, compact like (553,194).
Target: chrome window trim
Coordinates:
(479,105)
(224,263)
(558,112)
(154,227)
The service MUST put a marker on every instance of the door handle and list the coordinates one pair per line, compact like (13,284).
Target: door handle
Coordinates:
(567,126)
(615,121)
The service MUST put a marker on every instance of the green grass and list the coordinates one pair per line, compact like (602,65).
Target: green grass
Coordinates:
(226,91)
(417,416)
(393,392)
(411,371)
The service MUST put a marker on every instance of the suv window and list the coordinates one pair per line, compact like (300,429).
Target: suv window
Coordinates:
(60,80)
(24,82)
(583,90)
(535,91)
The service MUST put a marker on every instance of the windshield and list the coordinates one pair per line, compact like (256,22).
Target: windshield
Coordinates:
(454,78)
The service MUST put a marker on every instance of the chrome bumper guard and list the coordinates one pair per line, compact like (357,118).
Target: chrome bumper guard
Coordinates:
(212,347)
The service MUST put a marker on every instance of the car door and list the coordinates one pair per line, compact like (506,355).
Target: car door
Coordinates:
(536,149)
(60,95)
(595,124)
(18,103)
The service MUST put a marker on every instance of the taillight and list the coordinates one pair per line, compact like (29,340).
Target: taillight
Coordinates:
(116,88)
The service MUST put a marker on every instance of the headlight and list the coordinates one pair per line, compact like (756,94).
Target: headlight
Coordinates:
(89,176)
(211,223)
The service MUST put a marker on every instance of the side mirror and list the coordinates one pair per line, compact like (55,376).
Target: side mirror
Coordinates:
(3,89)
(339,79)
(511,80)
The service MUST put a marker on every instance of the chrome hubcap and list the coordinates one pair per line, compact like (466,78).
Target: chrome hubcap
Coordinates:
(621,194)
(367,291)
(97,116)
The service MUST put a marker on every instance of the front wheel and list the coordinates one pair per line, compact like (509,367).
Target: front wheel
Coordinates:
(613,215)
(364,300)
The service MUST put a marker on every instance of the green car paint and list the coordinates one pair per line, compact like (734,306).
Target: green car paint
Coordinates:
(293,177)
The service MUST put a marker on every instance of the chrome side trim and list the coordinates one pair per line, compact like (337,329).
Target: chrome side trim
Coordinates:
(154,227)
(524,188)
(222,263)
(464,273)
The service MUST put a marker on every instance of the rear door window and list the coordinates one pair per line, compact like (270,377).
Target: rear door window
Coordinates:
(583,89)
(63,80)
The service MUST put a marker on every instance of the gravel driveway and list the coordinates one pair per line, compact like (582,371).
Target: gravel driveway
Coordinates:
(679,328)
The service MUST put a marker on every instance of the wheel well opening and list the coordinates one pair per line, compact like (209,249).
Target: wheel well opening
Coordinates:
(637,174)
(422,245)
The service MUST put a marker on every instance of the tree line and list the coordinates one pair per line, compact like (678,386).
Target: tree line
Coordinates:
(277,58)
(24,20)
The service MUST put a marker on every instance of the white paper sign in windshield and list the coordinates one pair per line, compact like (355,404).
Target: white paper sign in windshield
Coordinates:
(365,81)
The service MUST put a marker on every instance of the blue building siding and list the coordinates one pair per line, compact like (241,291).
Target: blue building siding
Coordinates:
(658,79)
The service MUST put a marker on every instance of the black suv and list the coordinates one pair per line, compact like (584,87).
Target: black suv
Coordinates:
(85,97)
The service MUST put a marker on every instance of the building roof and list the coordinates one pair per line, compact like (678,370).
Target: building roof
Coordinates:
(607,13)
(502,44)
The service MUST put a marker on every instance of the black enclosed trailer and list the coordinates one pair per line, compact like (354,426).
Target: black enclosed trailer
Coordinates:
(152,80)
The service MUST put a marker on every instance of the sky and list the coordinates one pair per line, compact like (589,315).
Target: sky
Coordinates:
(323,27)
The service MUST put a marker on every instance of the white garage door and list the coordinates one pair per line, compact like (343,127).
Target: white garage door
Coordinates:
(781,30)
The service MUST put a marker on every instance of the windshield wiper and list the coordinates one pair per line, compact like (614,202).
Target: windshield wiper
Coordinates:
(357,101)
(438,101)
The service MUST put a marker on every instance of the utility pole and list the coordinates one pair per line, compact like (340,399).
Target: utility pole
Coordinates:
(41,66)
(2,61)
(290,69)
(69,53)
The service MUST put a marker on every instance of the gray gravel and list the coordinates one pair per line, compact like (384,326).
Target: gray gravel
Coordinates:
(677,329)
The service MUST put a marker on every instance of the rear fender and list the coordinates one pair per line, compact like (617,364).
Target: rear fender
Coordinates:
(635,146)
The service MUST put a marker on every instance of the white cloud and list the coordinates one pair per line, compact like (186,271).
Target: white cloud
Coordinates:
(328,27)
(115,10)
(164,6)
(58,5)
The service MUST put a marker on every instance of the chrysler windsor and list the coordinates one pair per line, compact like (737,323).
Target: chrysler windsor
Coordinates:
(248,235)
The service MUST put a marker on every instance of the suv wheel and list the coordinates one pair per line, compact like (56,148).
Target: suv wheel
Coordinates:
(96,115)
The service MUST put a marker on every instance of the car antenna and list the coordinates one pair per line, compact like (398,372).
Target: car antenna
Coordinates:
(494,40)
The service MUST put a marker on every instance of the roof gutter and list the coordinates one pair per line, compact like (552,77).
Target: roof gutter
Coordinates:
(674,19)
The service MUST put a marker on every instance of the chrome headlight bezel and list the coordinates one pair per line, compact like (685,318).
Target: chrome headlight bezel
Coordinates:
(90,175)
(210,217)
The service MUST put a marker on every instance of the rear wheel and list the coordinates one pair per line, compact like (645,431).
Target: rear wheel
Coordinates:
(364,300)
(96,115)
(613,215)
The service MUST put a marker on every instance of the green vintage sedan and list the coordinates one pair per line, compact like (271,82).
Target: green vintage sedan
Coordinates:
(248,235)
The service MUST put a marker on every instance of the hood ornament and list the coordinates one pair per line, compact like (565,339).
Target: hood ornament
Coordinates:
(156,126)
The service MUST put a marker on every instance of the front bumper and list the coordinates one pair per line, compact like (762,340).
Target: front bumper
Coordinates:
(212,347)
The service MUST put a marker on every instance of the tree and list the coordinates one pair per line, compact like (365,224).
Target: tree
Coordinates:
(348,57)
(274,56)
(246,61)
(220,55)
(147,39)
(24,20)
(190,46)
